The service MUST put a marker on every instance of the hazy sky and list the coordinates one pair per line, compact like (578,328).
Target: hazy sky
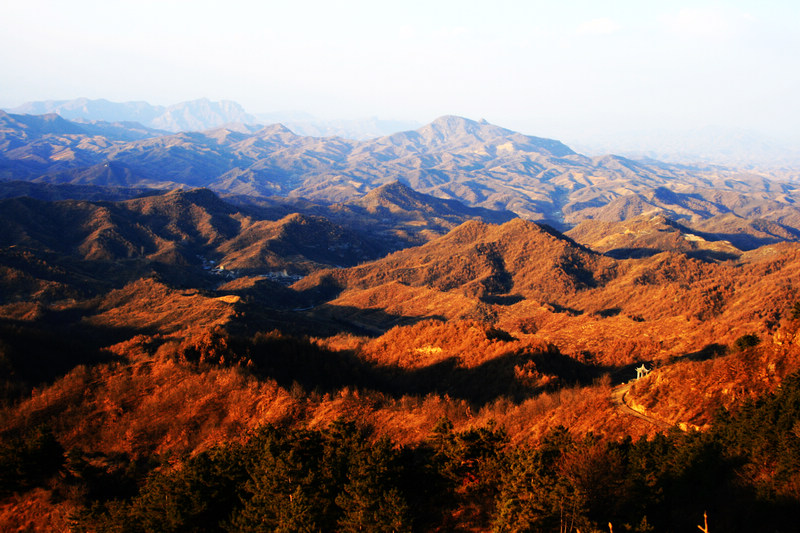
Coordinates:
(551,68)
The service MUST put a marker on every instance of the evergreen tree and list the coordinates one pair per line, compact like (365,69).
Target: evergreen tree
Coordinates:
(371,501)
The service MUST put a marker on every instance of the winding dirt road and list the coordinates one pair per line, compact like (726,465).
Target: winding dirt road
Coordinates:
(618,398)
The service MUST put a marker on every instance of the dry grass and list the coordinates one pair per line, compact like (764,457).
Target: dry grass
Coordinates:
(690,391)
(34,512)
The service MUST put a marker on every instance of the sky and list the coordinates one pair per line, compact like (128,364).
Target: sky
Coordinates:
(548,68)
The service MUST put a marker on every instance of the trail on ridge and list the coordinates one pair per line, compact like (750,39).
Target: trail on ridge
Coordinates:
(618,398)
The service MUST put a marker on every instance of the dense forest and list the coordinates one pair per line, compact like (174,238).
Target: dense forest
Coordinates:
(743,474)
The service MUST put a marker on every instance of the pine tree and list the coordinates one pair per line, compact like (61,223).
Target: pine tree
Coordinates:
(371,501)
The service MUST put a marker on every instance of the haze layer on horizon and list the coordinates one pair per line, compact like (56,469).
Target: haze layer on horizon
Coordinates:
(544,68)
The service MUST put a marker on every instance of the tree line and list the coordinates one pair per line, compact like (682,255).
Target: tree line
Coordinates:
(744,473)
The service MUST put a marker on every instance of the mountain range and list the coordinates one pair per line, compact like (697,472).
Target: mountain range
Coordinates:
(356,264)
(203,114)
(186,116)
(203,236)
(646,288)
(742,149)
(732,147)
(356,129)
(195,326)
(452,158)
(523,273)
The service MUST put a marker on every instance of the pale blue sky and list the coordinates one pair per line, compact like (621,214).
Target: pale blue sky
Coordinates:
(545,68)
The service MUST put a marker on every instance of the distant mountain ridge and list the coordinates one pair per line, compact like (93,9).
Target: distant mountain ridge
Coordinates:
(452,158)
(195,115)
(37,125)
(355,129)
(101,109)
(714,145)
(204,114)
(16,130)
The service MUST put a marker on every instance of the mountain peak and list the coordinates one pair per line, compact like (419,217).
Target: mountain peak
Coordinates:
(178,200)
(274,129)
(453,132)
(395,196)
(198,193)
(393,189)
(202,114)
(454,125)
(455,121)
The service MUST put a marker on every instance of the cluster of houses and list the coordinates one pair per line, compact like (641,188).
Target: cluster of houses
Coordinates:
(282,277)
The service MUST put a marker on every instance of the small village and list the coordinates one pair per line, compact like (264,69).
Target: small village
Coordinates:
(282,277)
